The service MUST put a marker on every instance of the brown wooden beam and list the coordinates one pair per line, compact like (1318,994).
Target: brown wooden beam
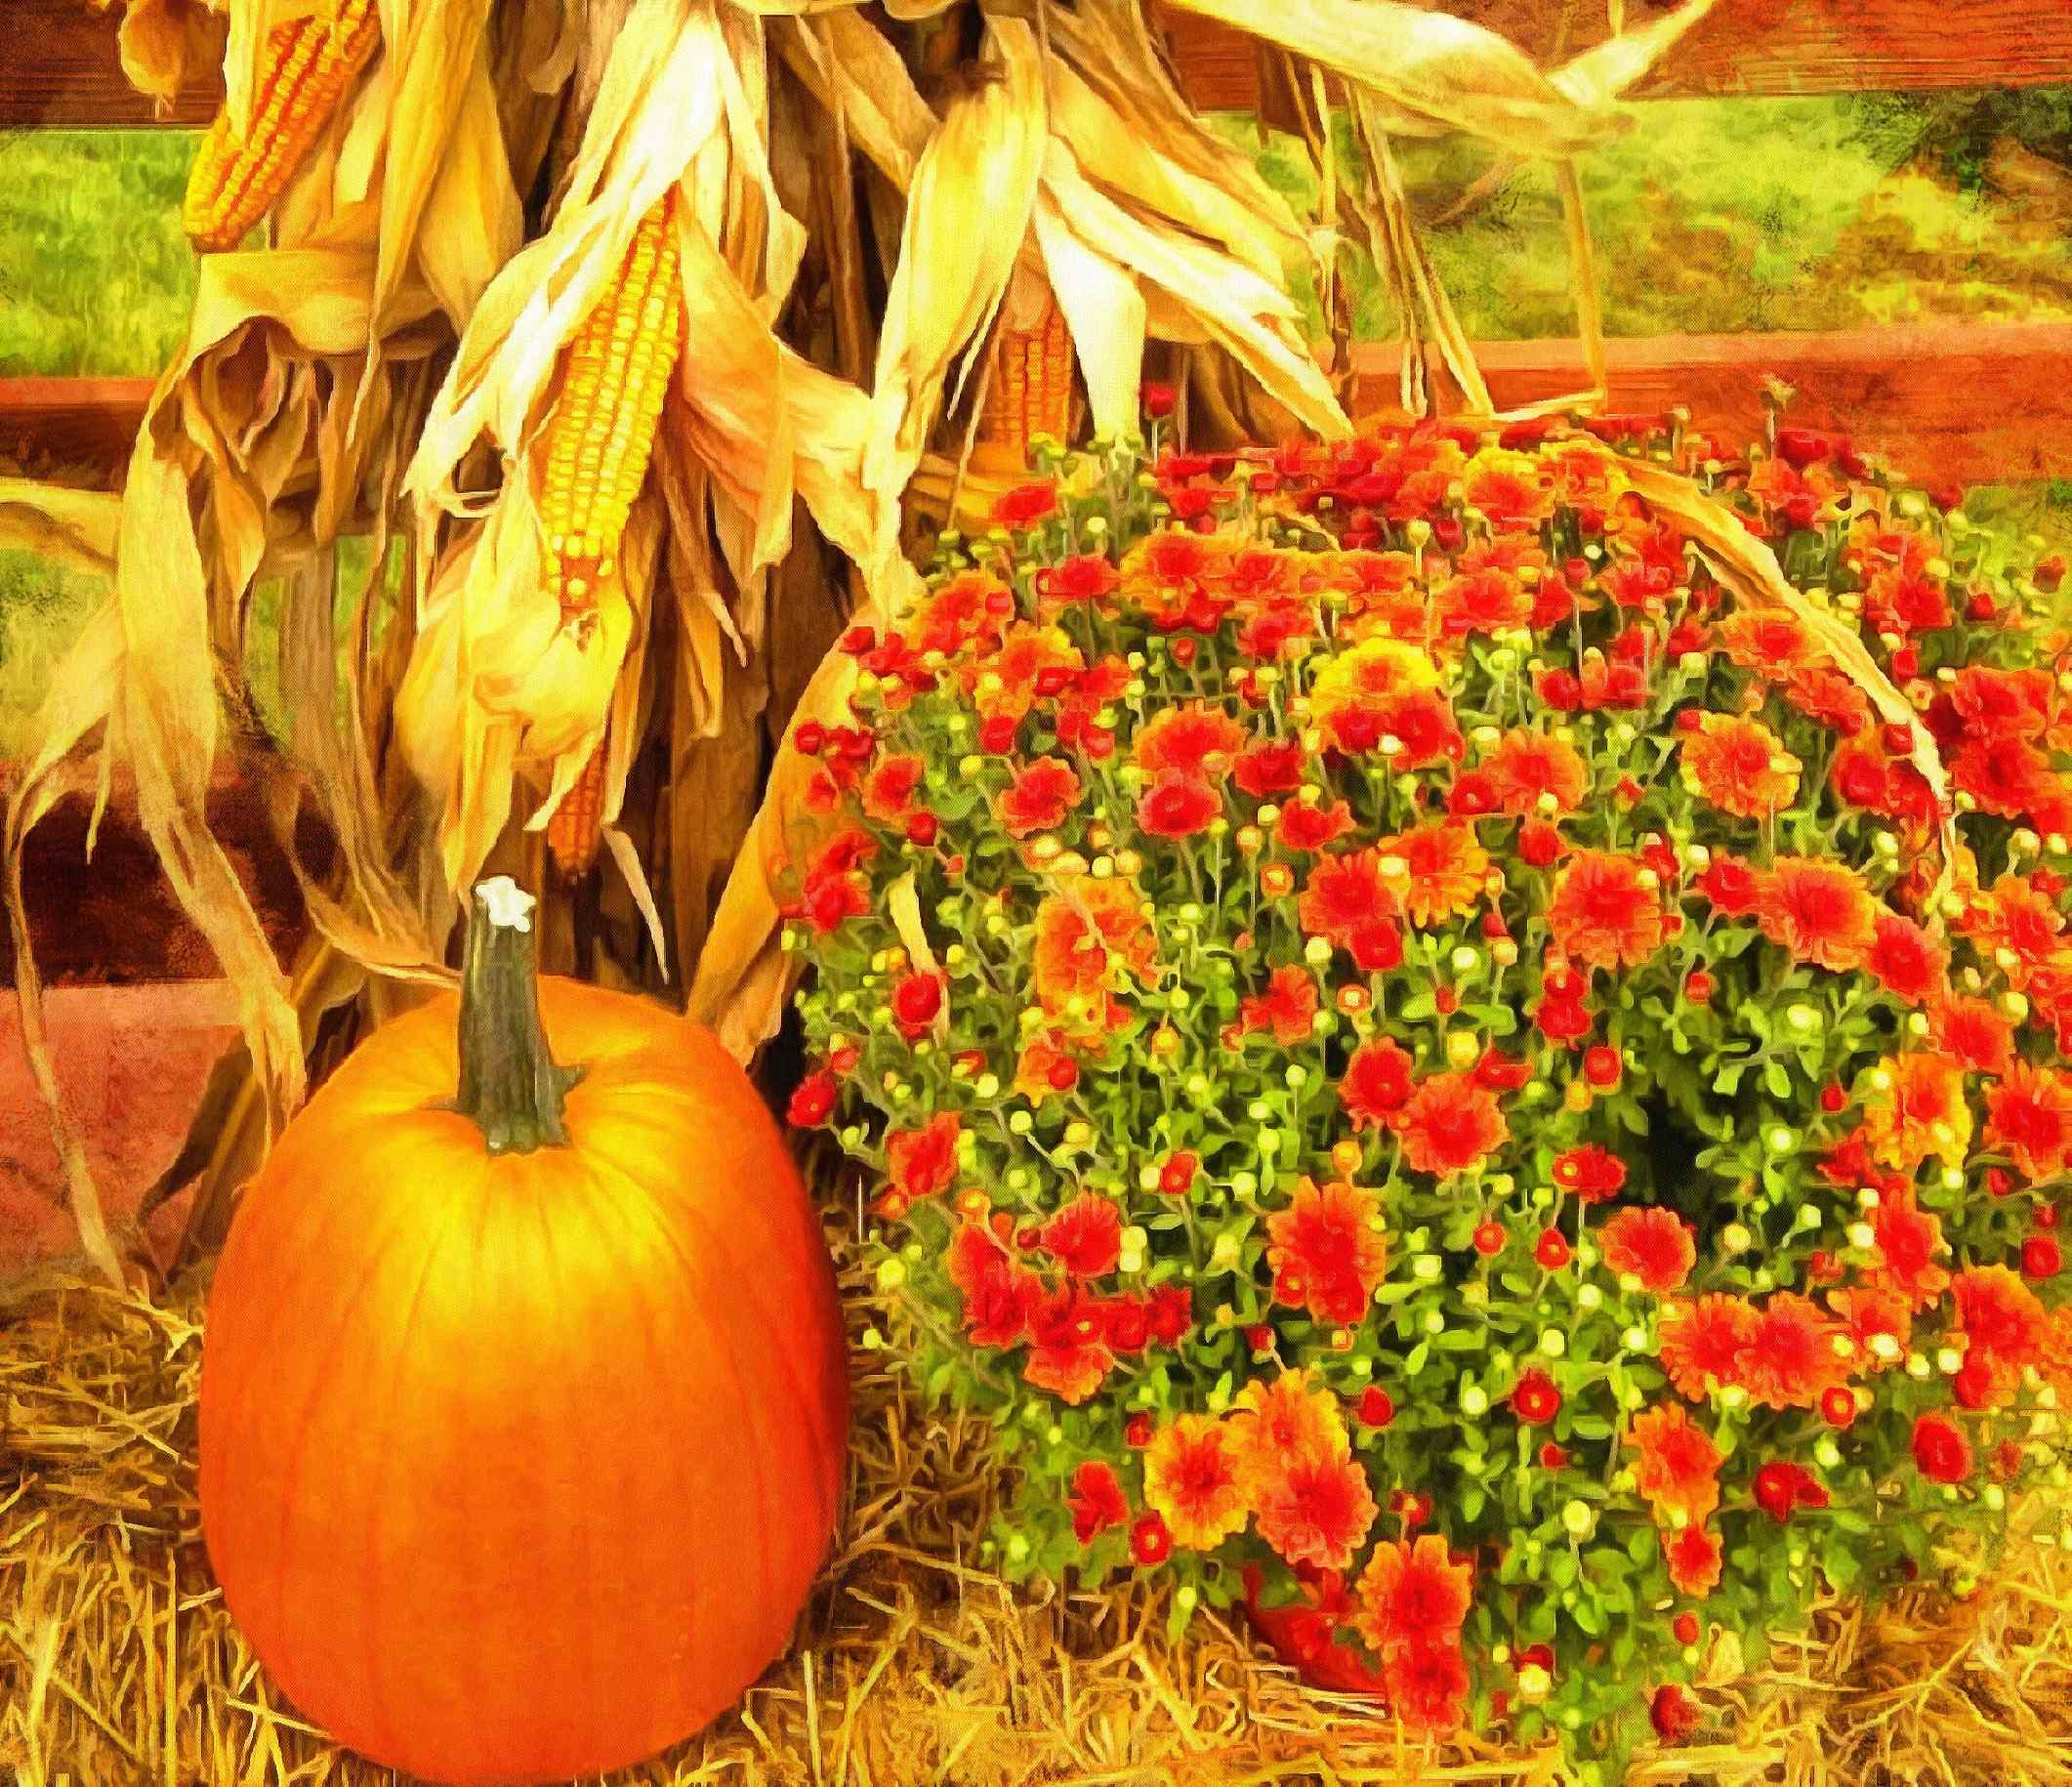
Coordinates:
(60,69)
(1945,402)
(70,425)
(1744,47)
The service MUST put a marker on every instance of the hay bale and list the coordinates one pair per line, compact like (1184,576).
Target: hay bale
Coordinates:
(120,1663)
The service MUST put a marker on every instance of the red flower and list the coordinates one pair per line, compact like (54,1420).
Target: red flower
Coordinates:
(1377,1408)
(1694,1555)
(1040,797)
(2029,1119)
(1304,827)
(1097,1501)
(1535,1399)
(1553,1251)
(891,786)
(1820,911)
(1324,1255)
(1654,1245)
(1789,1358)
(1779,1487)
(1671,1713)
(1068,1352)
(1376,1083)
(1193,739)
(924,1160)
(1287,1008)
(1451,1124)
(1703,1341)
(1941,1452)
(917,1001)
(1149,1541)
(1591,1172)
(1026,503)
(813,1100)
(1427,1686)
(1158,400)
(1905,958)
(2042,1257)
(998,1294)
(1176,806)
(1175,1179)
(1316,1508)
(1172,1313)
(1267,768)
(1732,886)
(1085,1236)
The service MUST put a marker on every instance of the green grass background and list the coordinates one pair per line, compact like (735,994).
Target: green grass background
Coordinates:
(1814,213)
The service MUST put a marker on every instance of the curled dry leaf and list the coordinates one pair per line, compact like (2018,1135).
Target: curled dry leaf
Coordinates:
(166,44)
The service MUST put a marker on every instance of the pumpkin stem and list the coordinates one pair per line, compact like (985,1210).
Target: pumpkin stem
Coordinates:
(510,1084)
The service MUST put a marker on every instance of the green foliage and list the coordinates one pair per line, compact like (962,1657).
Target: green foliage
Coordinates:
(42,610)
(1958,131)
(96,275)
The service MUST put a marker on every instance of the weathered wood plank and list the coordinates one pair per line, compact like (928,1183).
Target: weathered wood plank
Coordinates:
(1947,403)
(1745,47)
(60,70)
(71,422)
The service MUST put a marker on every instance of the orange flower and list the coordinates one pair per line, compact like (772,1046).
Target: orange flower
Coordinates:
(923,1161)
(2029,1119)
(1193,739)
(2013,916)
(1350,692)
(1042,1057)
(1442,870)
(1450,1125)
(1606,910)
(1702,1340)
(1908,1240)
(1068,1355)
(1482,602)
(1739,766)
(1513,490)
(1776,645)
(1820,911)
(1003,683)
(1922,1113)
(1190,1477)
(1412,1594)
(1275,1421)
(1789,1356)
(1316,1509)
(1523,766)
(1086,941)
(1427,1686)
(1325,1252)
(1694,1554)
(1973,1031)
(1651,1245)
(1677,1472)
(1287,1008)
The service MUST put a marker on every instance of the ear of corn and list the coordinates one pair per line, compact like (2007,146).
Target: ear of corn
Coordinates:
(1031,389)
(593,459)
(309,62)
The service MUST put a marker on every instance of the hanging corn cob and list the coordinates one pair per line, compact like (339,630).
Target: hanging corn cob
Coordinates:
(308,66)
(1030,393)
(593,458)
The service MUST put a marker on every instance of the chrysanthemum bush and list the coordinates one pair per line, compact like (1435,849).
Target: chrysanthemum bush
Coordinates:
(1427,1062)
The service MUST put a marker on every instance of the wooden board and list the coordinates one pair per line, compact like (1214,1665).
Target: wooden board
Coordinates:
(1946,402)
(60,70)
(65,423)
(1745,47)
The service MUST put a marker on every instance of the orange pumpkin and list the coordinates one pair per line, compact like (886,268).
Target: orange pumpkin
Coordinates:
(523,1411)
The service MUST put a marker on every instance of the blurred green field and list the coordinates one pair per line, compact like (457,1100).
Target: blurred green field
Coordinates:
(95,274)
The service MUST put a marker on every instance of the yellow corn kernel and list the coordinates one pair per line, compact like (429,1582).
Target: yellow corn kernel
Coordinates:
(308,64)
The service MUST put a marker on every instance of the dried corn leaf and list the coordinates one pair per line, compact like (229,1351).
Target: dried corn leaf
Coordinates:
(1602,74)
(849,66)
(164,44)
(1746,566)
(1128,160)
(983,163)
(1433,71)
(1255,322)
(1104,311)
